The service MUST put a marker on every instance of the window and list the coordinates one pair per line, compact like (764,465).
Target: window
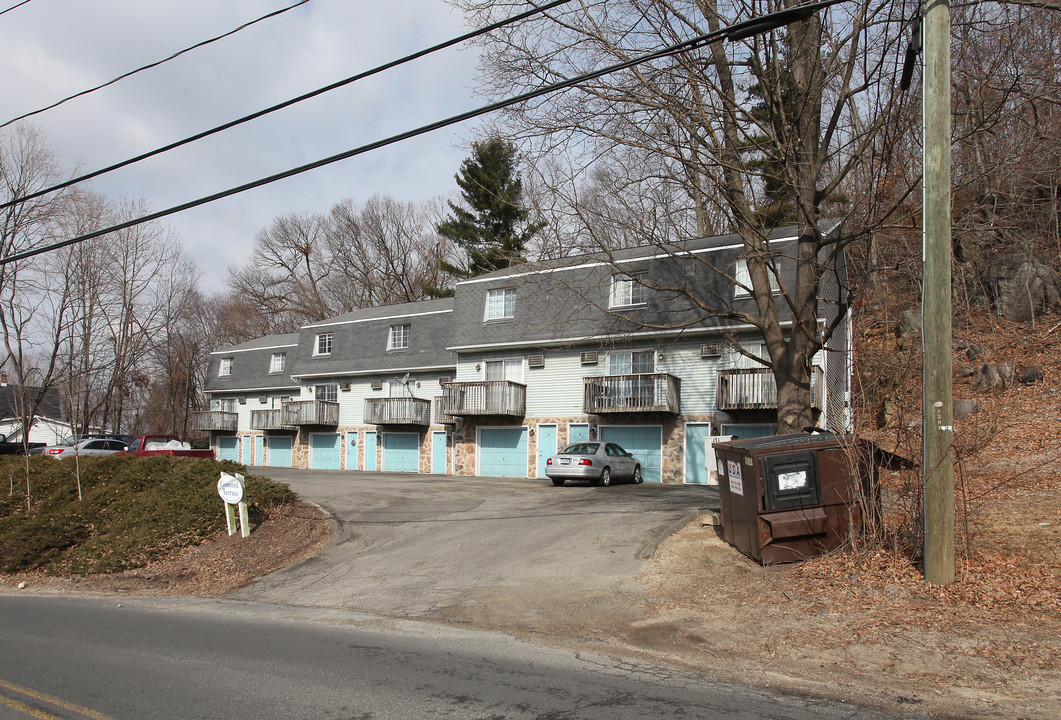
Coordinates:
(399,337)
(511,369)
(628,289)
(326,393)
(225,368)
(277,364)
(744,280)
(631,363)
(226,405)
(324,343)
(500,304)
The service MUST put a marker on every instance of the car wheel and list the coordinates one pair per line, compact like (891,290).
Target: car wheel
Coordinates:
(637,476)
(605,477)
(558,482)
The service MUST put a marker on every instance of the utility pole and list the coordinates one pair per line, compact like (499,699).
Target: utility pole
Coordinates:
(937,382)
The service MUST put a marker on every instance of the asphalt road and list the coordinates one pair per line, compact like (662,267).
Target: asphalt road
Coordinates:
(495,552)
(179,658)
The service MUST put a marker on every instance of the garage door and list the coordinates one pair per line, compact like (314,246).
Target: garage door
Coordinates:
(279,450)
(645,442)
(325,451)
(503,452)
(401,452)
(228,448)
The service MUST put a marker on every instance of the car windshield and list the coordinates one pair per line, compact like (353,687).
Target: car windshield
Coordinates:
(581,449)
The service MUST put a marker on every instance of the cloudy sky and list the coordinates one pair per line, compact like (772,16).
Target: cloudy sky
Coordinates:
(55,48)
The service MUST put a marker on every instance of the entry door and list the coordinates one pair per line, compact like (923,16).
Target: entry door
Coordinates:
(228,448)
(351,450)
(577,433)
(695,453)
(259,450)
(370,450)
(546,446)
(438,453)
(246,448)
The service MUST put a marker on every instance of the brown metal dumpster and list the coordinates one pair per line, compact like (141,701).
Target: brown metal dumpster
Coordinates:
(789,497)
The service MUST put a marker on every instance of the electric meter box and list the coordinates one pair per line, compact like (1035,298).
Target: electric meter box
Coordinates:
(789,497)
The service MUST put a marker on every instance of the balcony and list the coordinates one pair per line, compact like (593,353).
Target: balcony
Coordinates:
(756,389)
(216,420)
(398,411)
(632,393)
(310,412)
(268,420)
(488,397)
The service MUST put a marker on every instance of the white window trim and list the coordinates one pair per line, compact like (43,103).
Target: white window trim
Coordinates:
(277,363)
(404,330)
(316,394)
(631,353)
(317,344)
(505,362)
(631,284)
(505,294)
(225,368)
(743,281)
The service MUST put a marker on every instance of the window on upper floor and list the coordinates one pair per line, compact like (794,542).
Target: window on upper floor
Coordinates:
(500,304)
(627,289)
(225,405)
(509,369)
(326,393)
(399,337)
(278,363)
(225,368)
(638,362)
(744,280)
(324,343)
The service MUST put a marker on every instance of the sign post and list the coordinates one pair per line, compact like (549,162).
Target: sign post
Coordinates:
(231,488)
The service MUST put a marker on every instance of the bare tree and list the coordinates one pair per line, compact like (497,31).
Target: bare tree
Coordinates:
(733,137)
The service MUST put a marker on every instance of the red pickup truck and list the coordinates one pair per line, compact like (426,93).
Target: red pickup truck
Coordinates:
(145,445)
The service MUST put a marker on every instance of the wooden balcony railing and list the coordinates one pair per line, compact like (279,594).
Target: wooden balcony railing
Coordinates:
(310,412)
(657,392)
(756,389)
(489,397)
(268,420)
(216,420)
(398,411)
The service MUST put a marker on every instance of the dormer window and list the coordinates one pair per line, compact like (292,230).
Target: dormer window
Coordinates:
(324,344)
(399,337)
(628,289)
(744,280)
(278,363)
(225,369)
(500,304)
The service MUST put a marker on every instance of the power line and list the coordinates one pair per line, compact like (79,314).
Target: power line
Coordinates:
(16,5)
(287,103)
(737,31)
(154,64)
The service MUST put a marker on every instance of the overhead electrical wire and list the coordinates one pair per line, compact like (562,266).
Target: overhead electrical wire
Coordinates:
(16,5)
(288,103)
(732,32)
(154,64)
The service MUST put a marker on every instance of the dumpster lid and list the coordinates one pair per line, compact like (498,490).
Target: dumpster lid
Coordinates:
(778,441)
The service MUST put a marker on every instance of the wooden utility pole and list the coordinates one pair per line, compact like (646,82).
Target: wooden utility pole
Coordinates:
(936,297)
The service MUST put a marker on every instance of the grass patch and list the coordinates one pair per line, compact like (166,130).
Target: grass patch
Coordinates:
(131,511)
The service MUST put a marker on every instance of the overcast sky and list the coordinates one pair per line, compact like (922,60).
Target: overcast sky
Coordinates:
(54,48)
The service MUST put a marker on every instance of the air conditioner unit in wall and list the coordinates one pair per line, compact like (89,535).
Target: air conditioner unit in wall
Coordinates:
(345,386)
(445,379)
(535,361)
(589,357)
(377,384)
(710,350)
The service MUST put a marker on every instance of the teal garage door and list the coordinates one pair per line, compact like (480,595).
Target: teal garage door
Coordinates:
(645,442)
(325,451)
(228,448)
(503,452)
(401,452)
(279,450)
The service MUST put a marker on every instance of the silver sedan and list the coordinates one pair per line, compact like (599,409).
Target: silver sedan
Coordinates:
(599,462)
(85,448)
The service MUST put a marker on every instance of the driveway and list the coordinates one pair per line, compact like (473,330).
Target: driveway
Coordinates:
(515,554)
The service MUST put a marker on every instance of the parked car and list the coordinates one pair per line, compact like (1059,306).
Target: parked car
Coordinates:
(599,462)
(14,447)
(146,445)
(72,440)
(91,447)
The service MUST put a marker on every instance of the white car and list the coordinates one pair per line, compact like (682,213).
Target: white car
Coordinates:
(85,448)
(599,462)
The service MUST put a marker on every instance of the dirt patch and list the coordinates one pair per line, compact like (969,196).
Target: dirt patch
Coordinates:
(280,537)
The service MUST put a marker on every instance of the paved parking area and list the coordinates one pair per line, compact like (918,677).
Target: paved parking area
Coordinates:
(485,551)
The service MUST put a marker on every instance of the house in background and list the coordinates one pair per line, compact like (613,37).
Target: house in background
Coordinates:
(49,423)
(523,361)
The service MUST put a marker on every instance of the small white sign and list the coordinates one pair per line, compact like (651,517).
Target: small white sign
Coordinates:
(792,480)
(230,488)
(736,484)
